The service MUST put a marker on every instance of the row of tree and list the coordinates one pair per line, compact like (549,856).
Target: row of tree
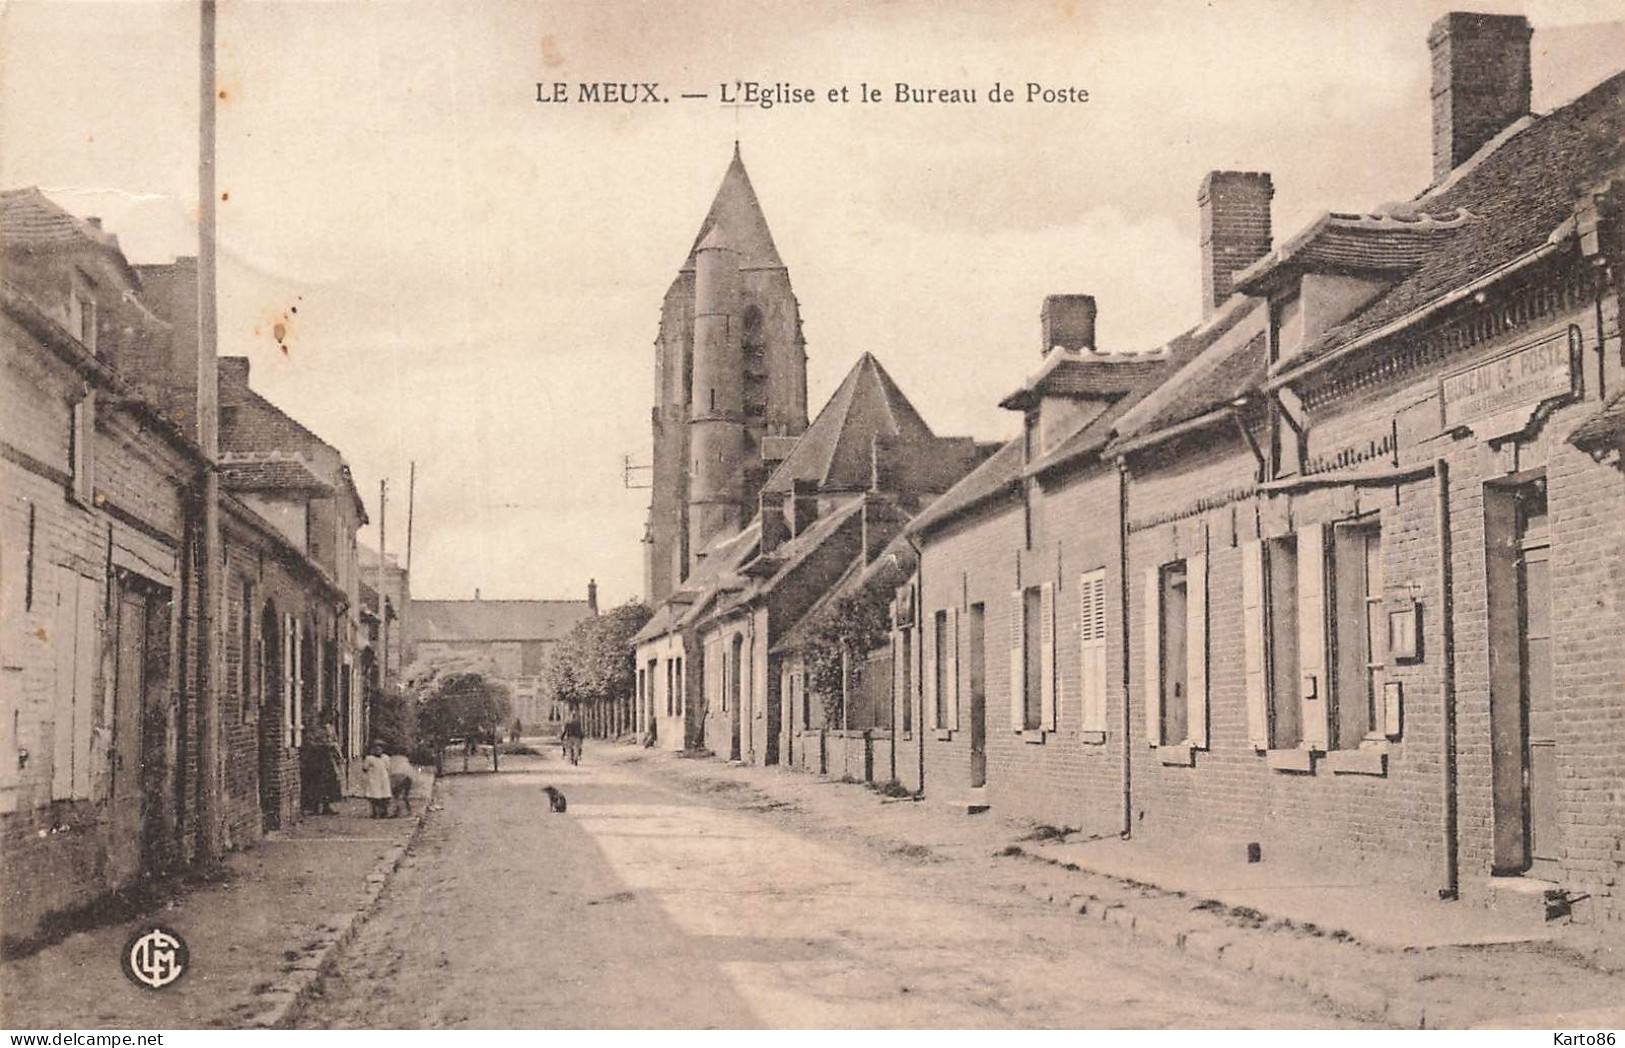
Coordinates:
(593,671)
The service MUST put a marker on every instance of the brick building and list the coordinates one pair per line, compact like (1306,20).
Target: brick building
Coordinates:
(514,637)
(101,779)
(98,756)
(1359,542)
(1010,624)
(1425,565)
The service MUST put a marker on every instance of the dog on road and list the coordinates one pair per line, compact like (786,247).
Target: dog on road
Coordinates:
(555,799)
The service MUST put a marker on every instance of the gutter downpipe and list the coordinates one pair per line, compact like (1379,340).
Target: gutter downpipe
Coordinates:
(1122,599)
(919,646)
(1447,682)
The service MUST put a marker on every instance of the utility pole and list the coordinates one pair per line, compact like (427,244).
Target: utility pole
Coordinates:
(411,506)
(383,599)
(208,418)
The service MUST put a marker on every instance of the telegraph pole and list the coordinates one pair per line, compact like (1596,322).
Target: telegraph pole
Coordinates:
(208,418)
(383,599)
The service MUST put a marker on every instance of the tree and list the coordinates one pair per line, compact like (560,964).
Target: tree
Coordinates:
(594,670)
(846,630)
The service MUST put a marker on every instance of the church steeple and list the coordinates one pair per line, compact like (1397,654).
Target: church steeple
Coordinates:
(738,213)
(730,325)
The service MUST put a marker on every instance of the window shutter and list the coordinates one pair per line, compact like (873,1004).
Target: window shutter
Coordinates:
(1153,655)
(1312,634)
(1252,637)
(1196,650)
(287,680)
(62,638)
(1092,643)
(1018,676)
(928,675)
(1048,685)
(298,690)
(952,676)
(85,657)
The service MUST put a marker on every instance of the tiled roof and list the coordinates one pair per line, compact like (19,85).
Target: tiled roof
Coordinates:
(836,451)
(1069,373)
(29,218)
(792,553)
(737,216)
(277,474)
(493,620)
(1519,192)
(1388,243)
(1216,363)
(999,474)
(723,559)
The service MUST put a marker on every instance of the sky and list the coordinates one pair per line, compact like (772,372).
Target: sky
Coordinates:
(471,281)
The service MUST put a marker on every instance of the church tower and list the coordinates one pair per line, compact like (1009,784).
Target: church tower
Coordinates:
(730,385)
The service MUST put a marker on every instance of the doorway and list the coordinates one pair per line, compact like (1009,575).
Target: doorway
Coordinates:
(774,708)
(272,715)
(978,696)
(141,770)
(1528,833)
(735,665)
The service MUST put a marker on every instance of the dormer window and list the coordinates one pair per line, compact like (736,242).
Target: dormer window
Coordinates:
(82,311)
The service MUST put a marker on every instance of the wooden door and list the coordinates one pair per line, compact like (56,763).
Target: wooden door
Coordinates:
(978,696)
(129,707)
(1545,842)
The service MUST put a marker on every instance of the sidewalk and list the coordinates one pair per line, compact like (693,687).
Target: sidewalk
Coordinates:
(258,938)
(1375,954)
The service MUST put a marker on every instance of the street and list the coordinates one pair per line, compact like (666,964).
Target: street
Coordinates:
(648,904)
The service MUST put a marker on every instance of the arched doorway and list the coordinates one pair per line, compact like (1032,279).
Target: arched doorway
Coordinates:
(270,734)
(735,666)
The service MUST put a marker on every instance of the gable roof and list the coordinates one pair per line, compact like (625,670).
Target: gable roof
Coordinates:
(1520,189)
(836,450)
(720,565)
(1213,364)
(1070,373)
(29,218)
(736,216)
(494,620)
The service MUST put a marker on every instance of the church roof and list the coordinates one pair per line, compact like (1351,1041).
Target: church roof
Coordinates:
(837,449)
(736,215)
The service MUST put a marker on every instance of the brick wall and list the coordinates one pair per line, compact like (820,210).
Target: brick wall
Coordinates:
(130,533)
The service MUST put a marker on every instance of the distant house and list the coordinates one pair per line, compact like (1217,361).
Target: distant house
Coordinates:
(515,635)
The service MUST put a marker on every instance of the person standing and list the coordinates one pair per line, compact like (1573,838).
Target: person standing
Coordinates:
(375,780)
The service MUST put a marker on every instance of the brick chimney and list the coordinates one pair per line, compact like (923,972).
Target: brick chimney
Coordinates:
(775,525)
(1235,208)
(1068,321)
(592,596)
(1480,82)
(803,505)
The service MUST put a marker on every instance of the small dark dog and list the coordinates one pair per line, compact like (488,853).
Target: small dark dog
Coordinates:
(555,799)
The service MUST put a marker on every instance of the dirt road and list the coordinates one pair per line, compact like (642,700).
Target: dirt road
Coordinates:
(646,905)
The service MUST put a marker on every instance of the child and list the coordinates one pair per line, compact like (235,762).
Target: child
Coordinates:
(400,784)
(375,780)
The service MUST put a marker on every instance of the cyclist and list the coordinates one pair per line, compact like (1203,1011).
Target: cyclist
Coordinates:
(571,737)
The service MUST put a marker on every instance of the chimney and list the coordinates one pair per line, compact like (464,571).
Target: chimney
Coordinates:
(1480,82)
(803,505)
(1235,208)
(775,525)
(1068,321)
(592,596)
(476,593)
